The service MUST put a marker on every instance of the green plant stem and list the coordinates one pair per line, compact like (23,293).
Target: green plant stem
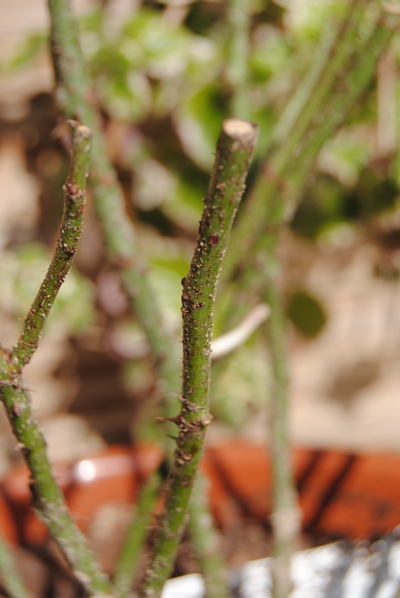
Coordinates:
(10,578)
(77,99)
(128,560)
(234,151)
(331,117)
(205,542)
(47,497)
(285,516)
(316,76)
(71,228)
(315,100)
(236,70)
(355,83)
(273,200)
(345,46)
(278,190)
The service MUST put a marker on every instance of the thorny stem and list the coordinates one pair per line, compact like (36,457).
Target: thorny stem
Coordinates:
(273,200)
(234,151)
(47,497)
(282,202)
(329,120)
(77,99)
(355,84)
(71,228)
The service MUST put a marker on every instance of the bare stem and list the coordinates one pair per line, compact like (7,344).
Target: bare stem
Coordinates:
(234,151)
(236,71)
(285,516)
(128,561)
(348,70)
(205,542)
(77,99)
(47,497)
(317,77)
(71,228)
(270,205)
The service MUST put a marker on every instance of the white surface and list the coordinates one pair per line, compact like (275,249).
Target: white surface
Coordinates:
(187,586)
(256,579)
(315,571)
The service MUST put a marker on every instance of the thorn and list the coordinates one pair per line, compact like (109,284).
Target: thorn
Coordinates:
(175,420)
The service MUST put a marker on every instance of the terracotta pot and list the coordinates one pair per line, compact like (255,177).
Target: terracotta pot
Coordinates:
(341,495)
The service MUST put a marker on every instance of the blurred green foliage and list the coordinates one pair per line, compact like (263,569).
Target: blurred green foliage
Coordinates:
(21,273)
(161,73)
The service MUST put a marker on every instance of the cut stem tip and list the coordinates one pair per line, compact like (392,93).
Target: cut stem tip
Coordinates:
(240,130)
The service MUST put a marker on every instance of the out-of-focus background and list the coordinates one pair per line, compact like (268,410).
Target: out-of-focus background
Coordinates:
(159,73)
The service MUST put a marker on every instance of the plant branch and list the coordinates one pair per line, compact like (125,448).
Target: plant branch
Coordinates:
(317,78)
(330,98)
(205,542)
(345,45)
(128,560)
(236,70)
(281,200)
(285,515)
(77,98)
(47,497)
(71,228)
(234,151)
(271,203)
(355,82)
